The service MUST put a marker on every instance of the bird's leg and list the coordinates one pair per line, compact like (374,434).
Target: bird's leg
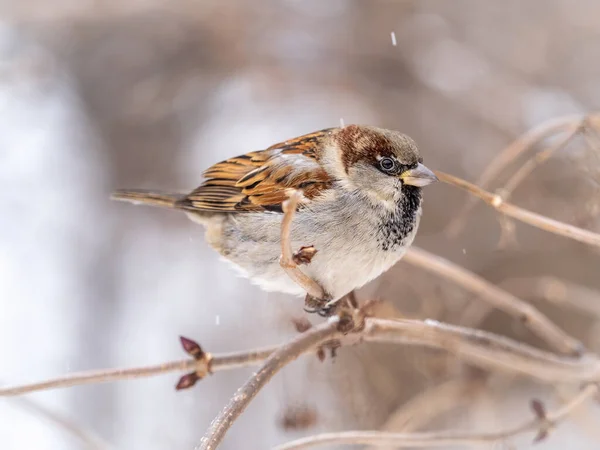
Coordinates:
(290,261)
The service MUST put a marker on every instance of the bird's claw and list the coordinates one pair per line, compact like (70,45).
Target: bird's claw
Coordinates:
(321,306)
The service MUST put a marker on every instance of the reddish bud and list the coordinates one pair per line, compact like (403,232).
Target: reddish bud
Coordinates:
(191,347)
(187,381)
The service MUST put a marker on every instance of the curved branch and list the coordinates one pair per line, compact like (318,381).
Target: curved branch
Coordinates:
(523,215)
(556,291)
(567,124)
(442,438)
(274,363)
(538,159)
(217,363)
(499,298)
(483,349)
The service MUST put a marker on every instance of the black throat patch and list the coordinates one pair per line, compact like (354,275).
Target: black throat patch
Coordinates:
(397,225)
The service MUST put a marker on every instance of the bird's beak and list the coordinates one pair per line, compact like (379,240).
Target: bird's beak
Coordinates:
(419,176)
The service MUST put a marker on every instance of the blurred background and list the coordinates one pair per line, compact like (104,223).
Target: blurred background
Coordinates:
(99,95)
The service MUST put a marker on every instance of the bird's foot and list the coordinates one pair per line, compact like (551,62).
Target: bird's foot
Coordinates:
(321,306)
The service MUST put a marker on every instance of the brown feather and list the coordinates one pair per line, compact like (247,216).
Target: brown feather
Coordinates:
(258,181)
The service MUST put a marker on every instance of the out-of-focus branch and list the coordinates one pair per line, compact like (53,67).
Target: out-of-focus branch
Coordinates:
(434,402)
(568,124)
(273,364)
(541,425)
(559,292)
(485,350)
(538,159)
(482,349)
(216,363)
(536,321)
(523,215)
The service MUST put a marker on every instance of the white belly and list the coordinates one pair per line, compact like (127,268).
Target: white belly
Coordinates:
(348,252)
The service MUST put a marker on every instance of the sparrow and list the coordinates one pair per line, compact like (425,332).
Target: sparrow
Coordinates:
(360,209)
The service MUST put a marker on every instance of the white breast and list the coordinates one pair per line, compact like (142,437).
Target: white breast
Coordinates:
(343,232)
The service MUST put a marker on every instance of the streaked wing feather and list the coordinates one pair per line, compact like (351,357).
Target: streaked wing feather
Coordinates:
(258,181)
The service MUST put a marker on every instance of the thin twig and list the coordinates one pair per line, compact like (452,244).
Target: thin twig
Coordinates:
(287,261)
(273,364)
(585,418)
(434,402)
(217,363)
(499,298)
(513,151)
(442,438)
(508,229)
(538,159)
(523,215)
(558,292)
(483,349)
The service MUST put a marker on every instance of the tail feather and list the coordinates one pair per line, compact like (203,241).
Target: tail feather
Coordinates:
(146,197)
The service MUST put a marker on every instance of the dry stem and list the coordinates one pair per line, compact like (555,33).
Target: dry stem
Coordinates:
(523,215)
(217,363)
(483,349)
(556,291)
(443,438)
(537,160)
(287,255)
(434,402)
(568,124)
(274,363)
(535,320)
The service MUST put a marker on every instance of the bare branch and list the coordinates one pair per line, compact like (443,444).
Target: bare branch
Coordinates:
(287,261)
(274,363)
(541,426)
(217,363)
(538,159)
(523,215)
(529,315)
(559,292)
(568,124)
(433,402)
(483,349)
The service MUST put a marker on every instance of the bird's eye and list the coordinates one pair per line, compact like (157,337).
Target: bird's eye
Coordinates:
(387,164)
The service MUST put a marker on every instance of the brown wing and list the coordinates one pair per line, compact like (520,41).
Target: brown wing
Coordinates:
(258,181)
